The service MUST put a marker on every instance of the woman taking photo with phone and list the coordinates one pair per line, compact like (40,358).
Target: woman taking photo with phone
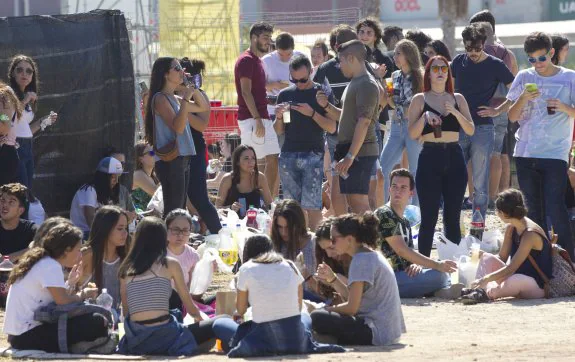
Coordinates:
(168,128)
(437,116)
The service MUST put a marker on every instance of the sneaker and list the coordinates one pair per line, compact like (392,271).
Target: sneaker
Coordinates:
(491,205)
(451,292)
(467,204)
(479,295)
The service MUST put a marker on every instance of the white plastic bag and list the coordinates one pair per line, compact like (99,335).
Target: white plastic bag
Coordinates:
(157,201)
(203,273)
(466,270)
(492,240)
(448,250)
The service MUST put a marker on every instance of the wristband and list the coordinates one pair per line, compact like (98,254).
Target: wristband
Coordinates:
(350,156)
(333,280)
(313,114)
(326,106)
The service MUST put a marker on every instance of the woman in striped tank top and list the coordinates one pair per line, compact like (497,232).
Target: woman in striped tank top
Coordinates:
(146,277)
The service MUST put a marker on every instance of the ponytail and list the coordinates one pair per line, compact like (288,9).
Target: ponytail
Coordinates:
(362,227)
(26,263)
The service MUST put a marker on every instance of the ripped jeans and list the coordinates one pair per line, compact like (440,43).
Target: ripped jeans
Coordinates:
(301,174)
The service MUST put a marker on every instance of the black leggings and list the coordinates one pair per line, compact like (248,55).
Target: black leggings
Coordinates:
(348,330)
(202,331)
(83,328)
(8,164)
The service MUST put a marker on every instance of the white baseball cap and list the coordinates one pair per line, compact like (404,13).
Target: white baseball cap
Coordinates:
(110,166)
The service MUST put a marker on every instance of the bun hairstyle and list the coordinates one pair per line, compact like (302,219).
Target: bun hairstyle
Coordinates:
(510,202)
(362,227)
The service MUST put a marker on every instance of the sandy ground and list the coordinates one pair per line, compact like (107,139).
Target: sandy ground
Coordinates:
(438,330)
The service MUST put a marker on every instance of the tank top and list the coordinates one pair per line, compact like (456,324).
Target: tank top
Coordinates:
(542,258)
(22,127)
(148,293)
(253,197)
(449,123)
(111,281)
(164,135)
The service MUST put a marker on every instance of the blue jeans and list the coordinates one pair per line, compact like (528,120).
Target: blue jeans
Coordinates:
(391,154)
(500,130)
(225,328)
(26,161)
(198,191)
(301,174)
(543,182)
(441,173)
(478,149)
(424,283)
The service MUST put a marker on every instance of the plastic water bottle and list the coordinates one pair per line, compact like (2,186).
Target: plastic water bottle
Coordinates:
(6,267)
(105,300)
(263,219)
(477,225)
(251,215)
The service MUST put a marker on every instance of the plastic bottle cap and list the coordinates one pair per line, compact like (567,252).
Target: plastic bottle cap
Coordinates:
(6,257)
(104,290)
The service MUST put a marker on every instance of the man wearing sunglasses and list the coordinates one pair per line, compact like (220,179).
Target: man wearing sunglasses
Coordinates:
(477,76)
(301,157)
(543,99)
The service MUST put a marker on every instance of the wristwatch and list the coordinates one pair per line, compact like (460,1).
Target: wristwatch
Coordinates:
(350,156)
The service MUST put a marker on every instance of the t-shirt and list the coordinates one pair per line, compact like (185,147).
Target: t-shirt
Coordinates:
(331,71)
(250,66)
(477,82)
(276,71)
(499,51)
(187,259)
(303,134)
(272,289)
(541,135)
(18,239)
(360,100)
(85,196)
(391,224)
(380,58)
(36,212)
(30,293)
(380,304)
(22,126)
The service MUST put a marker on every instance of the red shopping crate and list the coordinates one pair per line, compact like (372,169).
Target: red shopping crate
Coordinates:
(223,120)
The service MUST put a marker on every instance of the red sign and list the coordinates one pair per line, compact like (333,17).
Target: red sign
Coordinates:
(407,5)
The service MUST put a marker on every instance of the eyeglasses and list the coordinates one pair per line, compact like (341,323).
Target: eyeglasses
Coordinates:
(149,153)
(472,48)
(435,68)
(177,68)
(28,71)
(296,81)
(541,59)
(177,231)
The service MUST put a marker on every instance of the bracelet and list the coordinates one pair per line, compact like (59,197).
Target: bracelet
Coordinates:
(350,156)
(333,280)
(313,114)
(326,106)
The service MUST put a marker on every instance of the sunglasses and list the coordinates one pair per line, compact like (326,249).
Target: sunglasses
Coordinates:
(541,59)
(28,71)
(436,68)
(150,153)
(472,48)
(296,81)
(177,68)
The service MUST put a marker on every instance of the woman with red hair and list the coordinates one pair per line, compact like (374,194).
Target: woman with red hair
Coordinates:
(437,116)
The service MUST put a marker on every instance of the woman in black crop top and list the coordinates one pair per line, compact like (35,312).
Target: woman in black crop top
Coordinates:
(441,170)
(245,186)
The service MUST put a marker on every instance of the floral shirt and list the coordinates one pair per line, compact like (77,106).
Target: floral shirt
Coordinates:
(390,224)
(402,95)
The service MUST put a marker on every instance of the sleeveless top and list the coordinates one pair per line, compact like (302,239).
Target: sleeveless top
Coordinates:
(542,258)
(449,123)
(111,281)
(148,293)
(164,135)
(252,198)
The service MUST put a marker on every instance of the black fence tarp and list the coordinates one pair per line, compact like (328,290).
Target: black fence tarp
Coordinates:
(86,76)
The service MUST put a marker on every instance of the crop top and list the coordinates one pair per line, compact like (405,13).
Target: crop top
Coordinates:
(141,299)
(449,123)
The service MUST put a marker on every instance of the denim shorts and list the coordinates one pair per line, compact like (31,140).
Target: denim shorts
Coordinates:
(500,130)
(301,174)
(359,175)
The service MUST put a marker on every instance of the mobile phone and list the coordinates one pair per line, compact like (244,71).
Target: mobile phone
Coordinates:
(292,103)
(197,80)
(143,87)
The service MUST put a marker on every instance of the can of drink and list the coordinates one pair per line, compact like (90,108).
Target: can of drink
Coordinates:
(550,111)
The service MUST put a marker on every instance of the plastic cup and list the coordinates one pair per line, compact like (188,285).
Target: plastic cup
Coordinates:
(475,247)
(550,111)
(437,131)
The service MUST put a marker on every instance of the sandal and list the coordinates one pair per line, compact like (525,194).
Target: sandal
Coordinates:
(478,295)
(465,291)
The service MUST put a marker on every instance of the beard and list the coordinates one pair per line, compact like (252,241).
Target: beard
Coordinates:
(262,47)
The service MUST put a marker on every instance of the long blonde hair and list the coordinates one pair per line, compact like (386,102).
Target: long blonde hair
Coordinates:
(413,58)
(8,97)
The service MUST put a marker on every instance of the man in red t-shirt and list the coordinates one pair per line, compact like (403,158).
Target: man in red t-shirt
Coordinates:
(256,128)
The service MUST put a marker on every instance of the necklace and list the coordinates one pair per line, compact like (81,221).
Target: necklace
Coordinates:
(437,93)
